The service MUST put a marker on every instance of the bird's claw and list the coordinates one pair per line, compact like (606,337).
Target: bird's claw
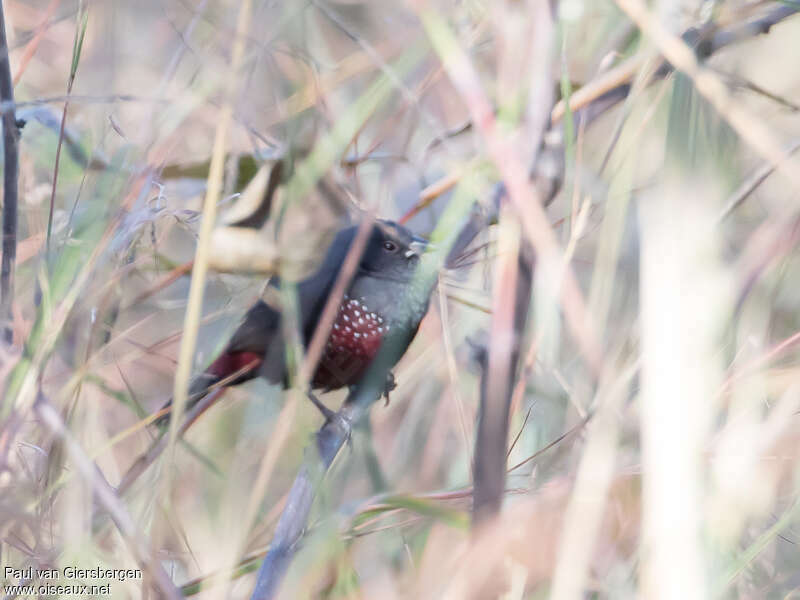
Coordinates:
(332,416)
(326,412)
(390,385)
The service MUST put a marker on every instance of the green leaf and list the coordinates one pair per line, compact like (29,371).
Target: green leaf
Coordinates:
(456,518)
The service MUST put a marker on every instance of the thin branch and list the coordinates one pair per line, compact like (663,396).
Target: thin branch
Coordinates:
(38,36)
(613,85)
(294,518)
(748,126)
(10,176)
(749,185)
(750,29)
(570,432)
(519,433)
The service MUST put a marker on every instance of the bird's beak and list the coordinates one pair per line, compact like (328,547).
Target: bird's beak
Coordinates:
(417,247)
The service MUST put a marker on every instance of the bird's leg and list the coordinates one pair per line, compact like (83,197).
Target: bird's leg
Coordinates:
(389,386)
(332,416)
(326,412)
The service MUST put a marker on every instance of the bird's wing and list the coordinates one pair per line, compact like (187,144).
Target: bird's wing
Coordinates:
(312,293)
(259,326)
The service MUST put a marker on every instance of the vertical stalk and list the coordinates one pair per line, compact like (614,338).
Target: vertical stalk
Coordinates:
(10,176)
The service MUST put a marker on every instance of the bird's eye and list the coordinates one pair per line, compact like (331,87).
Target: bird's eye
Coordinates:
(389,246)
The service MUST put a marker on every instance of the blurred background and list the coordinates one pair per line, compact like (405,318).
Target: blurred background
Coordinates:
(653,431)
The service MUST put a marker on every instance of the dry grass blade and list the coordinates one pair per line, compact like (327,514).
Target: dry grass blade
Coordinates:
(80,32)
(109,501)
(201,259)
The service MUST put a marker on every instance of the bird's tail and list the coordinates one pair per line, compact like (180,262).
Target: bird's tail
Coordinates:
(230,368)
(199,388)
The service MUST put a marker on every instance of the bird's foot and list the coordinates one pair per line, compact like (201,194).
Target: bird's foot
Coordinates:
(390,385)
(326,412)
(340,421)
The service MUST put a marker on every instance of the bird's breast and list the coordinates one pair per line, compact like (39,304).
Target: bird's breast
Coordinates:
(353,343)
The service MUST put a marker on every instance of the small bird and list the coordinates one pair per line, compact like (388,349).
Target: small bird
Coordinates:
(383,306)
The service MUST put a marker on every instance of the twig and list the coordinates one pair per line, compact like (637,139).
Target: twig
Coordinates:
(570,432)
(106,497)
(294,518)
(615,82)
(750,29)
(433,191)
(166,280)
(751,183)
(683,58)
(513,444)
(141,464)
(10,176)
(33,44)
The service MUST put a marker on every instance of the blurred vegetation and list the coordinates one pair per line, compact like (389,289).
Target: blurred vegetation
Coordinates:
(670,471)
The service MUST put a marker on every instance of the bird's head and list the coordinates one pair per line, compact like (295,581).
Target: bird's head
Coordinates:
(392,252)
